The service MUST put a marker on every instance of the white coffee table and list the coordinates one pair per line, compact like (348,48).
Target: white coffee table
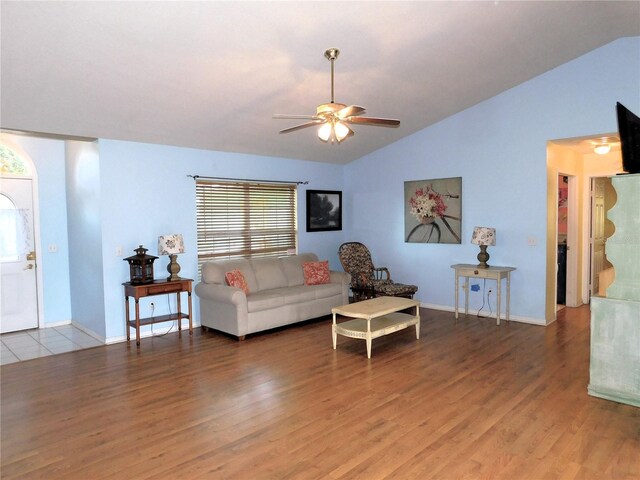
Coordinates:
(374,318)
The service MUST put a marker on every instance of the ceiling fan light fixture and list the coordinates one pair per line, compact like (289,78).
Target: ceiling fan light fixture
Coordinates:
(341,131)
(602,149)
(334,118)
(324,132)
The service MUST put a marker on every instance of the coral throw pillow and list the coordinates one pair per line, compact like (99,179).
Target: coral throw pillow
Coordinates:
(235,278)
(316,273)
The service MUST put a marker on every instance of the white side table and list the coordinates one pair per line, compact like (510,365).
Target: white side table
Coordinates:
(493,273)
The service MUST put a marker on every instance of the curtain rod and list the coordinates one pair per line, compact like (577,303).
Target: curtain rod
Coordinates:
(196,177)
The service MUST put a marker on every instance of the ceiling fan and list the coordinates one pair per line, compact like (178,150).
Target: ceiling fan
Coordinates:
(334,117)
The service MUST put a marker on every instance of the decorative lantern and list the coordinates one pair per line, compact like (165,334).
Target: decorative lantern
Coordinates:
(141,266)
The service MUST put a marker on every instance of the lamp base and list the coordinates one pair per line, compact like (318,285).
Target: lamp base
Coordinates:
(483,257)
(173,268)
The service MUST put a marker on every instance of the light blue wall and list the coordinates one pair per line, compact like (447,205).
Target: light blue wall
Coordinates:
(498,147)
(85,225)
(134,192)
(48,158)
(146,193)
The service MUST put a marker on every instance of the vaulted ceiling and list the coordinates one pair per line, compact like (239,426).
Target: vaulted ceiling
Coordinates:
(211,74)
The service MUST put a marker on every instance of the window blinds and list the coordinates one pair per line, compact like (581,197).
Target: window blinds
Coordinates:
(244,220)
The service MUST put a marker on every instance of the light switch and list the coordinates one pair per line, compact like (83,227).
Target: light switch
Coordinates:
(118,251)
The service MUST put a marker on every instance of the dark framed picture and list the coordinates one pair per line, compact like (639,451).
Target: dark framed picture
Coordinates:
(324,210)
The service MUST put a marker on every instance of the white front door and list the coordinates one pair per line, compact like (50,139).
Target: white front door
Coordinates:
(18,294)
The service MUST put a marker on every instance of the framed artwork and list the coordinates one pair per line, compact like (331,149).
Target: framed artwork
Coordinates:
(324,210)
(433,210)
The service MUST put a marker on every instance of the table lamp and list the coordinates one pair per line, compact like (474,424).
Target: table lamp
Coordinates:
(483,236)
(171,245)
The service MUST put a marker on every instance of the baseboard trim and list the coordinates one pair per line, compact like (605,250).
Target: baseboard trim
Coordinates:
(158,331)
(88,331)
(513,318)
(57,324)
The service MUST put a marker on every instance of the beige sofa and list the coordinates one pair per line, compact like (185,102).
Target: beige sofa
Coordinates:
(277,294)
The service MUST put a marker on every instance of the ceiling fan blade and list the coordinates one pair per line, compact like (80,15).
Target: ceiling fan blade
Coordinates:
(293,117)
(350,111)
(378,122)
(301,126)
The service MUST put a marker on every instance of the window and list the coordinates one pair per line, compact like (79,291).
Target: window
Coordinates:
(11,163)
(245,220)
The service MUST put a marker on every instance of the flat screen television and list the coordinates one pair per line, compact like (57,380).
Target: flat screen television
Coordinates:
(629,129)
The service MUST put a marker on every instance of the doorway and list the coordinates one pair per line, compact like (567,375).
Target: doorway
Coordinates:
(19,304)
(563,222)
(576,159)
(19,272)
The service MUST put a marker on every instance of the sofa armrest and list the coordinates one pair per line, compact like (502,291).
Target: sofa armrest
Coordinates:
(339,277)
(223,308)
(220,293)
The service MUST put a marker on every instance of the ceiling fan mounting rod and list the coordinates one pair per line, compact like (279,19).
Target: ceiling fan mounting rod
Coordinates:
(332,55)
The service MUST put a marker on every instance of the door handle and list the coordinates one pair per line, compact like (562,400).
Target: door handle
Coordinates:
(29,267)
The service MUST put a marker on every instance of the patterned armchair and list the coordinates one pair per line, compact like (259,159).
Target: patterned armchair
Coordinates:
(366,279)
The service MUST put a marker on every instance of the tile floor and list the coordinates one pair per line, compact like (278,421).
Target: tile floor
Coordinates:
(40,342)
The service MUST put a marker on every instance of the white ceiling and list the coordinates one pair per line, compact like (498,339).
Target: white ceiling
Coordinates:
(211,74)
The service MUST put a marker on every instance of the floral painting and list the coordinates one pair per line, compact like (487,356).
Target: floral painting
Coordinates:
(433,210)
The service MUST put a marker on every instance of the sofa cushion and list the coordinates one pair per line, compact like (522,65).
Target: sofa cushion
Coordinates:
(264,301)
(292,267)
(269,273)
(297,294)
(214,272)
(316,273)
(235,278)
(327,290)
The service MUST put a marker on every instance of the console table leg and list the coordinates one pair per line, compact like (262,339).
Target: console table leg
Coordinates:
(190,313)
(126,317)
(457,293)
(498,310)
(466,296)
(179,306)
(508,294)
(137,322)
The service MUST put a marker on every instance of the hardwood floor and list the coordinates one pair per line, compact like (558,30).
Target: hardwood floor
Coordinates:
(467,400)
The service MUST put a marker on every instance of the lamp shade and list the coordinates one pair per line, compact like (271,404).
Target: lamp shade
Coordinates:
(484,236)
(170,244)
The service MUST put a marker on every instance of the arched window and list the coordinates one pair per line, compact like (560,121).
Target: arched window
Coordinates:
(12,164)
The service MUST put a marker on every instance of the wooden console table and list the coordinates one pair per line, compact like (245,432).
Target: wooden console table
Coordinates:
(157,287)
(493,273)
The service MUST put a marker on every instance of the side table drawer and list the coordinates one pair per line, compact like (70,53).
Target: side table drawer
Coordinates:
(478,273)
(159,289)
